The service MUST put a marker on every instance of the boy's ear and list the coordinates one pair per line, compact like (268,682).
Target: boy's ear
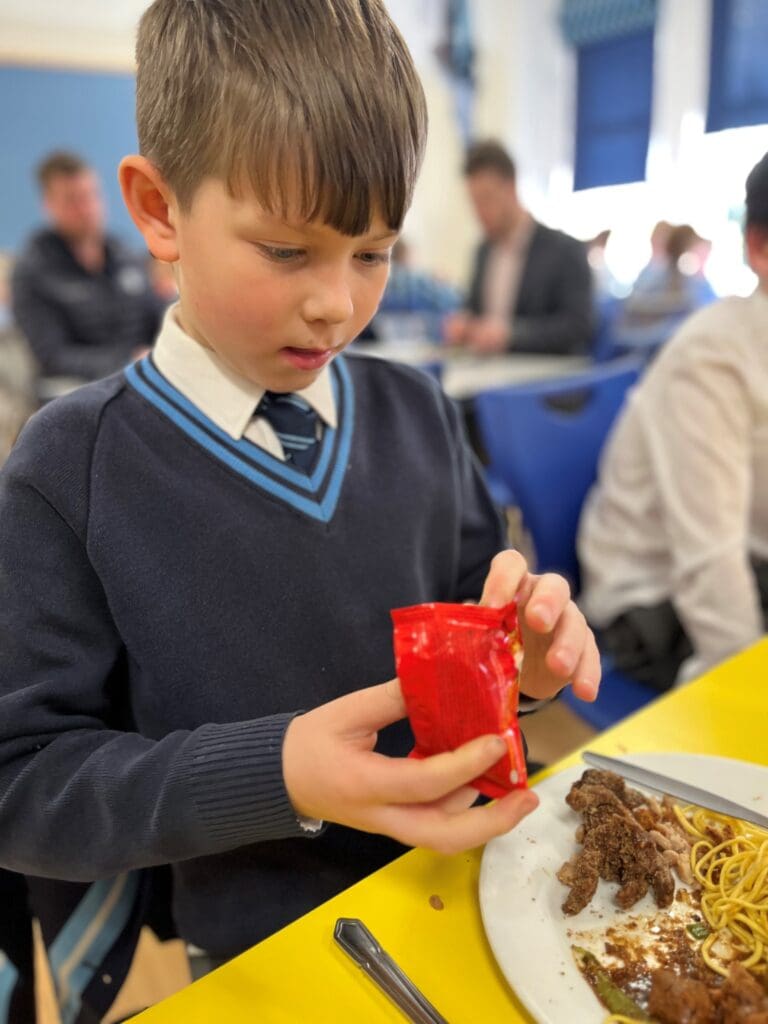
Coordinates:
(151,204)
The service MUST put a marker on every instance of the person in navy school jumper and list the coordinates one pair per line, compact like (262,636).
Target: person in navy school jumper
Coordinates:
(193,590)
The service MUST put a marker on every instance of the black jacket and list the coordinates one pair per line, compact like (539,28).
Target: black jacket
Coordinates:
(553,311)
(80,324)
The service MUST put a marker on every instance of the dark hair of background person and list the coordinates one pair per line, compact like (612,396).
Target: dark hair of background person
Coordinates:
(489,155)
(60,162)
(680,239)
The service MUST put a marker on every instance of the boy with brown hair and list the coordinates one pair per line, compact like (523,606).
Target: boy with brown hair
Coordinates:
(197,547)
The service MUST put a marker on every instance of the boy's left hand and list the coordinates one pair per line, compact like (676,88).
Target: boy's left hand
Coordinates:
(559,646)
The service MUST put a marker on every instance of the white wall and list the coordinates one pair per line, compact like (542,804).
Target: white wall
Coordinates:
(441,226)
(83,33)
(544,87)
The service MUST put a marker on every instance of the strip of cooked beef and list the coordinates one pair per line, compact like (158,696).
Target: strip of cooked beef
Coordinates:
(581,873)
(629,856)
(676,1000)
(596,777)
(618,851)
(595,804)
(616,848)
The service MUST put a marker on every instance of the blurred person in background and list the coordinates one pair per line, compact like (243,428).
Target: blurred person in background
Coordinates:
(82,299)
(604,283)
(673,540)
(658,258)
(531,287)
(671,286)
(410,289)
(414,302)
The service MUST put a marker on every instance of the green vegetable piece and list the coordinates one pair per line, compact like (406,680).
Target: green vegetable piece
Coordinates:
(698,931)
(609,994)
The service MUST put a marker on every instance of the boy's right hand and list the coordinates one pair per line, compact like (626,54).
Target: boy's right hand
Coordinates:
(332,773)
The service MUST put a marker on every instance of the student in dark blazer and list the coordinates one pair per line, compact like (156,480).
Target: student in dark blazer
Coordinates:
(531,287)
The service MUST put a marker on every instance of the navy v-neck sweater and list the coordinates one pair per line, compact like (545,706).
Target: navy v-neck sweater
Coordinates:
(169,598)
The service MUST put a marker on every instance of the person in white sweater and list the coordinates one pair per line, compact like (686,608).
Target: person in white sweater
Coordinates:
(673,540)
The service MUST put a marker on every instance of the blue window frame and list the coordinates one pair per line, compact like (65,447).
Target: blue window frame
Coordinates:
(613,114)
(738,78)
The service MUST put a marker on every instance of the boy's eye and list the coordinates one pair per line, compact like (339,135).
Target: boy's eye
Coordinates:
(280,254)
(373,259)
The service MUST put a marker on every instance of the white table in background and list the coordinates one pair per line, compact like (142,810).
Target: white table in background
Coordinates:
(465,375)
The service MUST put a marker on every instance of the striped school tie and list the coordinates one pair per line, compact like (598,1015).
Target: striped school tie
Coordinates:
(295,423)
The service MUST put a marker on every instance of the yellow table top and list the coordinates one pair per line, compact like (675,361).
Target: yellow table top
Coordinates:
(300,974)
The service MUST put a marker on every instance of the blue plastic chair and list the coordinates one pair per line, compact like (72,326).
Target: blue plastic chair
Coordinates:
(607,314)
(544,441)
(615,340)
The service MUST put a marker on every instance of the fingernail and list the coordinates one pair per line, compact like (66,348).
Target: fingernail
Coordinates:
(497,746)
(587,687)
(530,803)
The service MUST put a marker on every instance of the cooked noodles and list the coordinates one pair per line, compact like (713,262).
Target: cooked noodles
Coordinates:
(730,862)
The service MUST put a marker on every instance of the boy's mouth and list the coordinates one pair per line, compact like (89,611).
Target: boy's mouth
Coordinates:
(308,358)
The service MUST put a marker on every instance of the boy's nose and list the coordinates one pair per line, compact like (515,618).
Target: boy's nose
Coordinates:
(330,301)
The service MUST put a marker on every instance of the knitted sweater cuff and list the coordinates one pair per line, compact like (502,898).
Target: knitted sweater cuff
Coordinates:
(235,780)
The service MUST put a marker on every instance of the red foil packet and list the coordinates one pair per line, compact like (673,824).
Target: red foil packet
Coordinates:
(458,668)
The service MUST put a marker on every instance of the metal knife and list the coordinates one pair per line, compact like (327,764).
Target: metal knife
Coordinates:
(674,787)
(355,939)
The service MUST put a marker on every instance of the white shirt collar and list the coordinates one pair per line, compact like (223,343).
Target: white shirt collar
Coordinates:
(225,397)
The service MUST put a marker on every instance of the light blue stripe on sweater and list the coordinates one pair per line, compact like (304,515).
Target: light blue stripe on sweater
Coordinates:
(311,484)
(322,511)
(8,978)
(90,932)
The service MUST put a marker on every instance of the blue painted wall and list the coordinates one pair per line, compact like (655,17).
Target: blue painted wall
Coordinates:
(41,109)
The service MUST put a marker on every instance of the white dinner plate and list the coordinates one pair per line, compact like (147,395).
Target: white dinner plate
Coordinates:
(520,897)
